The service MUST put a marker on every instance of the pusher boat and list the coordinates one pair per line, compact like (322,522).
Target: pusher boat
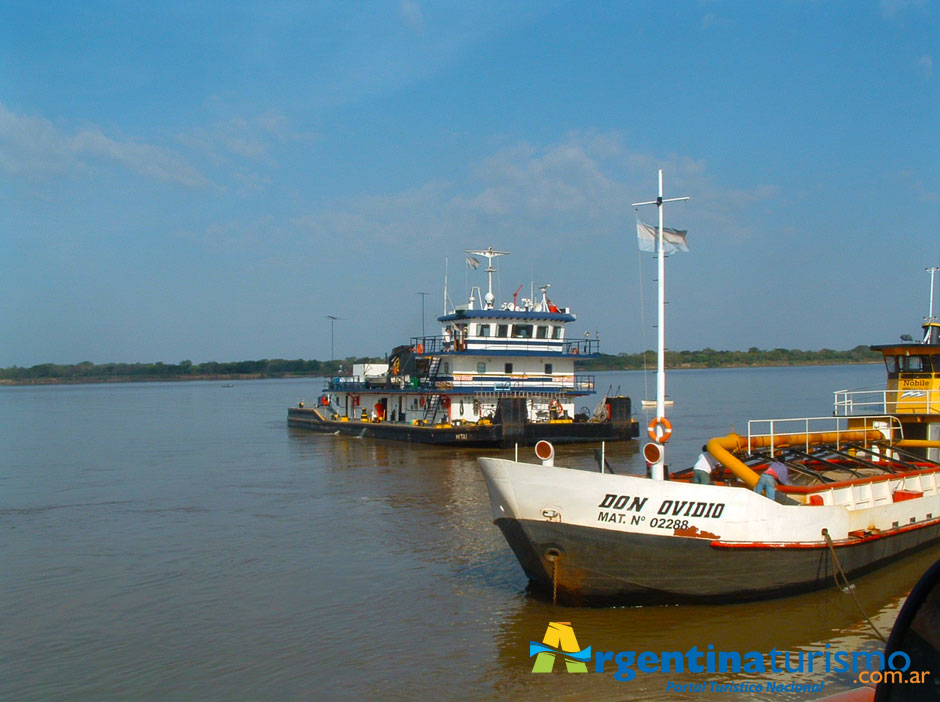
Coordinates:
(496,375)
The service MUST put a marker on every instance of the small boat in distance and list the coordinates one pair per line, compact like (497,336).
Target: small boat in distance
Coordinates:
(865,491)
(496,375)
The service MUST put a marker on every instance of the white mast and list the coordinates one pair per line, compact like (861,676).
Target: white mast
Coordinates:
(932,270)
(657,472)
(490,270)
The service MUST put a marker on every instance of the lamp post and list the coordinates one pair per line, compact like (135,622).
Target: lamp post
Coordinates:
(332,320)
(423,295)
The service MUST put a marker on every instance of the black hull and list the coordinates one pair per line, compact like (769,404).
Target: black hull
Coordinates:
(605,567)
(471,435)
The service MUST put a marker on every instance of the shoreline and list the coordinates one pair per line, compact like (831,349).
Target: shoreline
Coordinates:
(262,376)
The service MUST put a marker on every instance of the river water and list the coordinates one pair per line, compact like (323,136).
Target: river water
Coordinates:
(178,541)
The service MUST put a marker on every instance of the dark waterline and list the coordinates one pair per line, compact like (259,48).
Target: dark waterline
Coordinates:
(178,541)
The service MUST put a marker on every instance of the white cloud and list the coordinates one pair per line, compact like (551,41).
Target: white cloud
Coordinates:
(582,184)
(411,14)
(35,147)
(926,65)
(892,8)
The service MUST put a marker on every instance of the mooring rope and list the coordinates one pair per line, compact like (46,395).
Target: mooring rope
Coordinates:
(848,587)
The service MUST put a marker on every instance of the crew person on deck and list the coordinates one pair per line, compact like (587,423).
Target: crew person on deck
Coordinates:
(775,473)
(702,470)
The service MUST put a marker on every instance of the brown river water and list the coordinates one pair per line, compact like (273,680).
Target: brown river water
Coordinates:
(176,541)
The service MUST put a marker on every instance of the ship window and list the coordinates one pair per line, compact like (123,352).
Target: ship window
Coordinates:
(521,331)
(548,369)
(502,330)
(541,332)
(483,329)
(891,363)
(556,332)
(915,364)
(446,367)
(481,367)
(508,368)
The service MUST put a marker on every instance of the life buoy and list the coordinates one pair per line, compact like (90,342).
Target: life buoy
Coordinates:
(325,400)
(445,402)
(575,350)
(421,400)
(659,423)
(419,348)
(555,405)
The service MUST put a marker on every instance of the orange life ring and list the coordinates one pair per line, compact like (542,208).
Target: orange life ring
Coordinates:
(325,400)
(555,405)
(659,423)
(575,350)
(421,400)
(445,401)
(419,348)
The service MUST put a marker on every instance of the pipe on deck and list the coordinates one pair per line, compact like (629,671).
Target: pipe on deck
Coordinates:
(721,447)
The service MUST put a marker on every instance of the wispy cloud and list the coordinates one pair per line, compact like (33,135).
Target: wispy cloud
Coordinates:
(246,138)
(926,66)
(34,147)
(411,14)
(583,183)
(892,8)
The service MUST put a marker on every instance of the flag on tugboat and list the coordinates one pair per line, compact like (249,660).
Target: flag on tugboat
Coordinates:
(473,262)
(673,239)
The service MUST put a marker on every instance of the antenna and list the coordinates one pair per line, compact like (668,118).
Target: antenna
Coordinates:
(490,254)
(660,422)
(332,320)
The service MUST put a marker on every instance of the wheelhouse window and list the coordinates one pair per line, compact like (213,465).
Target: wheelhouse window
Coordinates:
(915,364)
(508,368)
(541,332)
(502,330)
(521,331)
(891,363)
(446,368)
(481,367)
(483,329)
(548,369)
(557,332)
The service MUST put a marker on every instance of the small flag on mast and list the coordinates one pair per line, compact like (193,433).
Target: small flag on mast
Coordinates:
(473,262)
(673,239)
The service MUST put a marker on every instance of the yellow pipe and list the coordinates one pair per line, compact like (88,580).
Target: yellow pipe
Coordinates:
(721,447)
(917,443)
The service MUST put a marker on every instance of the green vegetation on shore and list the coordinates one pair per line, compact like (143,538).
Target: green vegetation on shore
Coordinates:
(87,372)
(710,358)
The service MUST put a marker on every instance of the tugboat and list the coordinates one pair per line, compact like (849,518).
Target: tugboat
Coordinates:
(495,376)
(865,491)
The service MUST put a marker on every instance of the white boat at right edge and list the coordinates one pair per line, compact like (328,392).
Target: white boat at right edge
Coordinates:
(865,491)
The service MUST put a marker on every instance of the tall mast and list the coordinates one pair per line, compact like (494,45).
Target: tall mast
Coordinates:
(657,472)
(490,254)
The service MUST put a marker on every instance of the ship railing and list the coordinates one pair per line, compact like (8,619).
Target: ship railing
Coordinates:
(849,403)
(782,432)
(345,383)
(431,345)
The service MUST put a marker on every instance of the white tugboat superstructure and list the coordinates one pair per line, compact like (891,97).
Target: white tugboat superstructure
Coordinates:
(495,375)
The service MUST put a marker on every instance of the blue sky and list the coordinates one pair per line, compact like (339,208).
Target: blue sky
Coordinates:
(209,180)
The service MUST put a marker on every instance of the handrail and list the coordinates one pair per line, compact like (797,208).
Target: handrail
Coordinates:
(897,401)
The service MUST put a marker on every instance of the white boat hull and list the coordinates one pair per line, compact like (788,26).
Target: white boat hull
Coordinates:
(602,538)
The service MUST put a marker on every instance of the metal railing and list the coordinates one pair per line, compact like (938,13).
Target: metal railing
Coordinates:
(577,383)
(850,403)
(777,428)
(476,344)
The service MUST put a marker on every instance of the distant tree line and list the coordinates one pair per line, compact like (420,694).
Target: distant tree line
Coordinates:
(281,368)
(710,358)
(184,370)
